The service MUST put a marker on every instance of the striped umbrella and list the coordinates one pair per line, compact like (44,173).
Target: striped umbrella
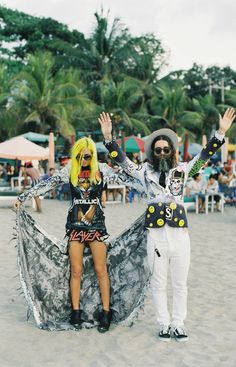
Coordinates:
(133,144)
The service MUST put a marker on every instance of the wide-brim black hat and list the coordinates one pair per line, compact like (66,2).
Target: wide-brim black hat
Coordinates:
(161,132)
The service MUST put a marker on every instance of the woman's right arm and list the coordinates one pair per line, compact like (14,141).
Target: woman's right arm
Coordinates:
(44,186)
(121,178)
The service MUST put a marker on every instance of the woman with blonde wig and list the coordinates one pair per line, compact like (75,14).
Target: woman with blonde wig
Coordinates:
(69,279)
(86,227)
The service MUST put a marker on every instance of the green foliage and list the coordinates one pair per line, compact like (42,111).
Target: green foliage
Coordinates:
(197,80)
(47,99)
(21,34)
(53,78)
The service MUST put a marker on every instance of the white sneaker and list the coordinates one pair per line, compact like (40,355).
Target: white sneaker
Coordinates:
(164,333)
(180,335)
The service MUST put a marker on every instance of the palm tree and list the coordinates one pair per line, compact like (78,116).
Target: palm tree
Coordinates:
(113,52)
(48,100)
(124,100)
(204,115)
(10,120)
(169,104)
(99,58)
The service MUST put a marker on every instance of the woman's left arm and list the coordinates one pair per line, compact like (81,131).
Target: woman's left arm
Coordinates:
(44,186)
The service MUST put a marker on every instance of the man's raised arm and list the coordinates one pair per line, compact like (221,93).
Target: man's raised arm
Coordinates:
(213,144)
(115,151)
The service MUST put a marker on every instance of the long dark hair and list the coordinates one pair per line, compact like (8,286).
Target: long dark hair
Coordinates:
(170,160)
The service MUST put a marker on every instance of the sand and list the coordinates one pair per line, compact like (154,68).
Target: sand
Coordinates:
(211,320)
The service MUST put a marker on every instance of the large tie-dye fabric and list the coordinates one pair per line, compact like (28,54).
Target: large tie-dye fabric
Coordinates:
(44,274)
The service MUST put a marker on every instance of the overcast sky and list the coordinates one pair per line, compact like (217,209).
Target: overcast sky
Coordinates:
(201,31)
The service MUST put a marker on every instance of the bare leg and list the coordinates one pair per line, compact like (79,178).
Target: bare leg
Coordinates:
(201,205)
(76,251)
(114,192)
(104,198)
(217,204)
(38,204)
(99,252)
(54,194)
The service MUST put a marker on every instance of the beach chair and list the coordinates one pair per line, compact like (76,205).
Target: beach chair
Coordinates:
(191,203)
(210,202)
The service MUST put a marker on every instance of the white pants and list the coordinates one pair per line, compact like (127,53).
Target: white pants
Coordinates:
(173,246)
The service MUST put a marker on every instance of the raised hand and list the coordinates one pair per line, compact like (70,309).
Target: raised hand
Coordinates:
(106,125)
(226,120)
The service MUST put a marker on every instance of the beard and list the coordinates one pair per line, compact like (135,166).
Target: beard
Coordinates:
(163,164)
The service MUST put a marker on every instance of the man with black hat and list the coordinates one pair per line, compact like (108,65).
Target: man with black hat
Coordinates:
(168,244)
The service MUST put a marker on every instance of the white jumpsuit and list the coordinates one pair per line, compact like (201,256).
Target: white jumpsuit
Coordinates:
(168,247)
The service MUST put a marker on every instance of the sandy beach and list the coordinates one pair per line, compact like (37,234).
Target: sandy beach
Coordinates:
(211,320)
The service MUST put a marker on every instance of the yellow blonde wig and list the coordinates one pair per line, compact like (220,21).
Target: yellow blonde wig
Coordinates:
(77,154)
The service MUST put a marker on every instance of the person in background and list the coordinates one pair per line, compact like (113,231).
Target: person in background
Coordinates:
(197,186)
(208,170)
(50,173)
(233,181)
(136,158)
(213,188)
(223,179)
(3,172)
(41,169)
(115,192)
(10,171)
(228,165)
(218,166)
(131,192)
(33,173)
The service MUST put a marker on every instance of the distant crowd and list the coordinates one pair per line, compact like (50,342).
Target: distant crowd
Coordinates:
(213,179)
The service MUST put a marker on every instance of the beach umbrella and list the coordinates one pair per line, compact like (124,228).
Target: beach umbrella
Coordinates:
(22,149)
(35,137)
(51,161)
(194,149)
(133,144)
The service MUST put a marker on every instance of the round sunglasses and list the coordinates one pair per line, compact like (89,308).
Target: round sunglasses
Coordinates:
(165,150)
(87,157)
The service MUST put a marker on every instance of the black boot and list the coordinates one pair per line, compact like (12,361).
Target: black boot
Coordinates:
(75,319)
(104,321)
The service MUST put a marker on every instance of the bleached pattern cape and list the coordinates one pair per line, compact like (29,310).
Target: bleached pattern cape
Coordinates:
(45,272)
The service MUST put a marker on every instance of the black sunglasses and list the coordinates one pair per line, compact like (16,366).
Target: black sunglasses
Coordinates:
(165,150)
(87,157)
